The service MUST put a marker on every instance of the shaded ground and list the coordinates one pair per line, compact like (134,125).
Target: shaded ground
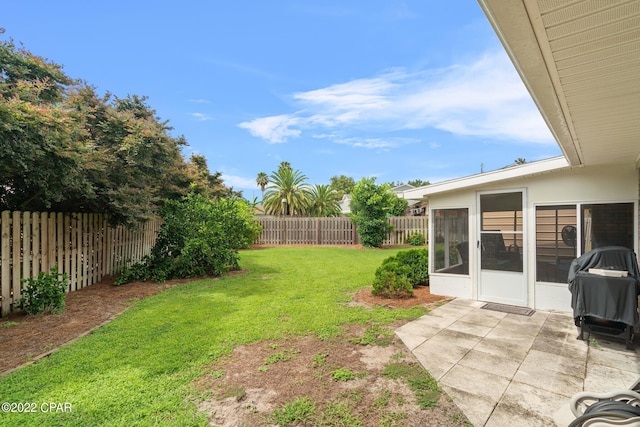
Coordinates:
(247,386)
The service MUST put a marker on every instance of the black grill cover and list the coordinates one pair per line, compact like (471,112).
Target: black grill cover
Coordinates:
(609,298)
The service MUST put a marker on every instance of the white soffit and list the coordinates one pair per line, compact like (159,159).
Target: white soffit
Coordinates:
(580,60)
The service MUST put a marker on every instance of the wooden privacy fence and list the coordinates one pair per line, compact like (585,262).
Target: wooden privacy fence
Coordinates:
(82,245)
(331,231)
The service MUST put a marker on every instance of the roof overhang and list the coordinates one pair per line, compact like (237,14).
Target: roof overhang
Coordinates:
(580,61)
(505,174)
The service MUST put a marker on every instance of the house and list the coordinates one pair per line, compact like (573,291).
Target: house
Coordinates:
(508,236)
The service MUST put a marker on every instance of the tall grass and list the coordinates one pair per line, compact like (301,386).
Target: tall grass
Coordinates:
(139,369)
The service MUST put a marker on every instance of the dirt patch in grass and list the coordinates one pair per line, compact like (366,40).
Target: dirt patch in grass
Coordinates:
(338,381)
(342,381)
(312,382)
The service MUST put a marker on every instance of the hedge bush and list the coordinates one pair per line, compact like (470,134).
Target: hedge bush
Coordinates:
(199,237)
(398,274)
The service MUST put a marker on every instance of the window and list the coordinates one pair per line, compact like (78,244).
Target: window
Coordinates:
(451,231)
(608,224)
(556,242)
(558,234)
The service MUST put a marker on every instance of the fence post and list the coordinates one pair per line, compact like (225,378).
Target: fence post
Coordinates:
(6,266)
(17,226)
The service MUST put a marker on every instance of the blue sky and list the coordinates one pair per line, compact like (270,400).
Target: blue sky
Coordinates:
(399,90)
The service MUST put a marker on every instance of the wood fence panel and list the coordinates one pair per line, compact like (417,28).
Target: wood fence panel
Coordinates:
(331,231)
(80,245)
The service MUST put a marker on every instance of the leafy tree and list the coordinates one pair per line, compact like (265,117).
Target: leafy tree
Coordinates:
(40,150)
(342,184)
(396,206)
(262,180)
(520,161)
(323,201)
(66,149)
(413,182)
(418,182)
(288,193)
(369,206)
(204,182)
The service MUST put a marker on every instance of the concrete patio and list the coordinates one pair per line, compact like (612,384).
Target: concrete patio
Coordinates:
(508,369)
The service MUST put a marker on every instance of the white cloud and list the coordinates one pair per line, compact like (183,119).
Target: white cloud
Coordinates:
(199,101)
(483,98)
(275,129)
(202,117)
(236,181)
(375,143)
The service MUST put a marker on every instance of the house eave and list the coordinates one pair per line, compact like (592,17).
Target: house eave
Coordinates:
(491,177)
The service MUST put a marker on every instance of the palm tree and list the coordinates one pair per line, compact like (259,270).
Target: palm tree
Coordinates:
(262,180)
(284,165)
(288,193)
(324,201)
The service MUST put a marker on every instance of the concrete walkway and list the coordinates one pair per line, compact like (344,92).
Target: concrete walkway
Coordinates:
(507,369)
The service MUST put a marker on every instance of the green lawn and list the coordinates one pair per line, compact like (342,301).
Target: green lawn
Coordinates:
(139,369)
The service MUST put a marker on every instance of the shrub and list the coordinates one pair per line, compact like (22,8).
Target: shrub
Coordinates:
(199,236)
(391,280)
(44,294)
(417,261)
(416,239)
(398,274)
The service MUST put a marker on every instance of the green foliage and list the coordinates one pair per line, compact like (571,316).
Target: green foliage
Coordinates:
(418,182)
(416,239)
(338,414)
(371,205)
(319,360)
(396,205)
(199,237)
(323,201)
(342,184)
(66,149)
(417,262)
(391,280)
(298,411)
(8,324)
(44,294)
(342,374)
(398,274)
(375,334)
(288,193)
(155,350)
(262,180)
(423,385)
(281,356)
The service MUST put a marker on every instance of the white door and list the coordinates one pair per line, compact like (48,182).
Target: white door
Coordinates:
(501,248)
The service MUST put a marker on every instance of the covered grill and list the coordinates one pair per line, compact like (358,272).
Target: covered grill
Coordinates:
(604,285)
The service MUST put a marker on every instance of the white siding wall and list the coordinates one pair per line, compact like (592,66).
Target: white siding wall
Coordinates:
(618,183)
